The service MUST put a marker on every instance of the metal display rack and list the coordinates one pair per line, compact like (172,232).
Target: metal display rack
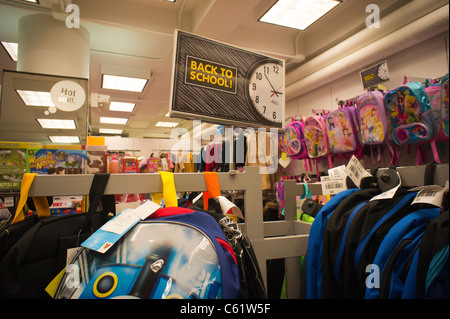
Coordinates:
(271,240)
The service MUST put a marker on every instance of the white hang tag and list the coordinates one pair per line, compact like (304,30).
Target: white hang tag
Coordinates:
(432,194)
(332,187)
(105,237)
(337,172)
(389,193)
(356,171)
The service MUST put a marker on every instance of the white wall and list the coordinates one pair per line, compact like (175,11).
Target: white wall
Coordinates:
(428,59)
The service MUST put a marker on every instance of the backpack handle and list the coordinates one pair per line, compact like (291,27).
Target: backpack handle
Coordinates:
(41,203)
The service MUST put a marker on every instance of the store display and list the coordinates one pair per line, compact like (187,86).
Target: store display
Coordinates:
(56,161)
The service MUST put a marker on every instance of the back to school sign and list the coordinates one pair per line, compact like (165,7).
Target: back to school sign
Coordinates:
(211,75)
(211,81)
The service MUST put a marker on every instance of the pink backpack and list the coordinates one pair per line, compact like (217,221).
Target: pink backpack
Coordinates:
(316,139)
(343,133)
(294,141)
(434,95)
(373,121)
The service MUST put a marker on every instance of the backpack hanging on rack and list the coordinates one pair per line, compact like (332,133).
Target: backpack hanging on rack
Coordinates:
(444,104)
(433,91)
(175,253)
(342,133)
(411,117)
(316,140)
(294,141)
(372,119)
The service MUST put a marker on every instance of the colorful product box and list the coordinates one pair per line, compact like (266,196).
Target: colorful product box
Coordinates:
(13,164)
(56,161)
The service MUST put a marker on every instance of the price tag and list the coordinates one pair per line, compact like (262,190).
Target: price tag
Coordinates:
(104,238)
(432,194)
(356,171)
(389,193)
(332,187)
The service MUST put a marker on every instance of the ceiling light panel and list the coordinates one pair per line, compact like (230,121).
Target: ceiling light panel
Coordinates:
(110,131)
(64,139)
(113,120)
(122,106)
(166,124)
(123,83)
(12,49)
(298,14)
(35,98)
(57,124)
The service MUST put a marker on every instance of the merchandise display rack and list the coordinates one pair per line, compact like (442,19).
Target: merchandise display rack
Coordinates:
(271,240)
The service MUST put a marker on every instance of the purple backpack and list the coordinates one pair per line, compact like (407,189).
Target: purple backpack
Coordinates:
(343,131)
(294,141)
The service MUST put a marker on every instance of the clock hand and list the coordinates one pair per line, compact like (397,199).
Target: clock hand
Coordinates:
(271,85)
(275,92)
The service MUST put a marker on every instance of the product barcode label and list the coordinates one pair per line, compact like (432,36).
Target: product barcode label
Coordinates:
(430,195)
(427,193)
(356,171)
(333,187)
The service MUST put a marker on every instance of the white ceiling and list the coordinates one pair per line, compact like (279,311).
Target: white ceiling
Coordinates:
(140,34)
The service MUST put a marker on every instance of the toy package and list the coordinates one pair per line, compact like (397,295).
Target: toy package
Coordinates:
(63,205)
(56,161)
(13,163)
(96,159)
(154,165)
(130,164)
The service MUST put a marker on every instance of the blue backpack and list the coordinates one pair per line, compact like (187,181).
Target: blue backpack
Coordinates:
(399,243)
(177,253)
(409,110)
(314,252)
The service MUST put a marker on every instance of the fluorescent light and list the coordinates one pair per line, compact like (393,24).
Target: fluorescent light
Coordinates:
(33,1)
(57,124)
(123,83)
(64,139)
(11,48)
(298,14)
(113,120)
(110,131)
(122,106)
(166,124)
(35,98)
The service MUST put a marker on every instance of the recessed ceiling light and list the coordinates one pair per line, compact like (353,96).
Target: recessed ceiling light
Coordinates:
(170,1)
(64,139)
(113,120)
(57,124)
(122,106)
(110,131)
(166,124)
(123,83)
(35,98)
(33,1)
(298,14)
(12,49)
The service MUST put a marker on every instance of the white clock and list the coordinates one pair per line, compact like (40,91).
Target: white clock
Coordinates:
(265,90)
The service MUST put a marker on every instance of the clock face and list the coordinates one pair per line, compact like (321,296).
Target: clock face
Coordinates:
(266,90)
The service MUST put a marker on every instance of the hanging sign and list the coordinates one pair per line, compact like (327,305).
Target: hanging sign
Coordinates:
(375,75)
(67,95)
(225,84)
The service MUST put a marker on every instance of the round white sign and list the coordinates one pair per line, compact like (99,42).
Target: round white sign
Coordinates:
(68,96)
